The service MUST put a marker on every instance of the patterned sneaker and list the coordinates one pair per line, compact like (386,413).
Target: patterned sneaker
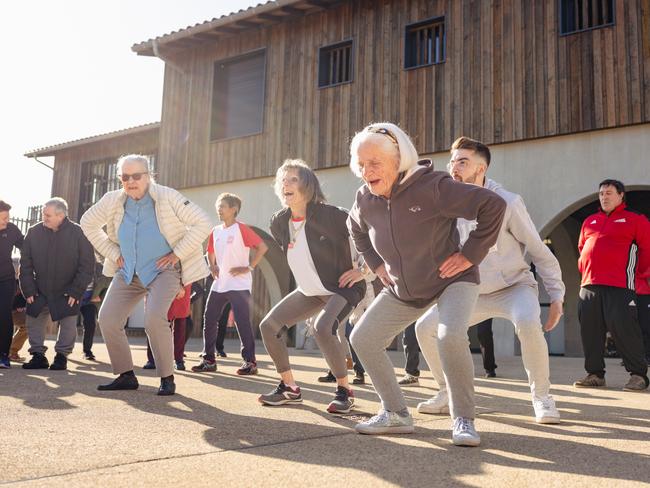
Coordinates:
(4,361)
(438,405)
(282,395)
(464,433)
(343,401)
(409,379)
(247,368)
(636,383)
(545,411)
(205,366)
(590,381)
(386,423)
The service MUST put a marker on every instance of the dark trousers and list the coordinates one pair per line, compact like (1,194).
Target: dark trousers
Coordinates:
(411,351)
(7,292)
(608,308)
(222,327)
(486,340)
(643,308)
(178,329)
(358,367)
(89,320)
(240,301)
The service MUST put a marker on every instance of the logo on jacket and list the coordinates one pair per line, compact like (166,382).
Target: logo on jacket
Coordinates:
(593,222)
(631,304)
(415,209)
(620,220)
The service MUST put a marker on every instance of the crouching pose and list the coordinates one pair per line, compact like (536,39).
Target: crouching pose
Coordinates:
(508,288)
(315,240)
(403,222)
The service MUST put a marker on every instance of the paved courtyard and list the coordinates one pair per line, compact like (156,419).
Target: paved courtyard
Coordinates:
(58,430)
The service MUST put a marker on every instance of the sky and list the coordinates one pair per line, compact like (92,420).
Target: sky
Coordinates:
(68,72)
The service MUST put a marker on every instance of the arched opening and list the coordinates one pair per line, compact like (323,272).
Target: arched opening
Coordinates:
(562,234)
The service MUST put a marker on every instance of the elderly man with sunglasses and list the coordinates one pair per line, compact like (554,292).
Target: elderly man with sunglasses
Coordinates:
(152,243)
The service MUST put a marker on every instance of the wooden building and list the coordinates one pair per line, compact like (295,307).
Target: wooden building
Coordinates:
(560,90)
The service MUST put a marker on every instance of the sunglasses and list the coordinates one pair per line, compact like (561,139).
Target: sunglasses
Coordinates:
(135,176)
(386,132)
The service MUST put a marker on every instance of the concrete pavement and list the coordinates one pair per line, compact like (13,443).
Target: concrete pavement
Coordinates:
(58,430)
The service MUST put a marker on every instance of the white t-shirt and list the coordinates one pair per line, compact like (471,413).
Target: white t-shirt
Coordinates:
(231,247)
(302,265)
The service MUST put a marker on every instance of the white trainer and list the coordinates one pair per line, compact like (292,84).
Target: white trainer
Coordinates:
(437,405)
(464,433)
(545,411)
(386,423)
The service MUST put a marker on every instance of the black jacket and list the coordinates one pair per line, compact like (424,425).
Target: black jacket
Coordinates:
(328,240)
(9,238)
(55,266)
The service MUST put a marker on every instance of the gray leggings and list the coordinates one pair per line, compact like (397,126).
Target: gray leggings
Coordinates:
(296,307)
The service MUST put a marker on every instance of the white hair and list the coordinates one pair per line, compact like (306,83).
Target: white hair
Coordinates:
(407,154)
(59,205)
(128,158)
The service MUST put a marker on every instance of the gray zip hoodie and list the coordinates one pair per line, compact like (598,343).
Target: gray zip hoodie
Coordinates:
(505,264)
(414,231)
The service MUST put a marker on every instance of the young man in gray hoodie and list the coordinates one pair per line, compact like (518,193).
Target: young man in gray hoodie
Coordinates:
(508,289)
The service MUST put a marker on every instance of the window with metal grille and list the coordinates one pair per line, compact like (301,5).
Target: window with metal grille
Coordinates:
(581,15)
(238,96)
(335,64)
(425,43)
(98,178)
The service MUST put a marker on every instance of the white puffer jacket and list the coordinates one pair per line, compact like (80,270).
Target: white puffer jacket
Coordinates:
(505,263)
(183,224)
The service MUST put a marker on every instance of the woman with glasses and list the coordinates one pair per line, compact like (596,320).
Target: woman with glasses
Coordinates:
(403,222)
(315,241)
(152,244)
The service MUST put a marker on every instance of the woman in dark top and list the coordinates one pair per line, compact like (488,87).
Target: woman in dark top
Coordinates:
(10,237)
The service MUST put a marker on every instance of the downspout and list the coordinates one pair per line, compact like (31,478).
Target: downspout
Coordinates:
(44,164)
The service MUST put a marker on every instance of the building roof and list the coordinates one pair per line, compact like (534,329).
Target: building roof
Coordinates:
(52,150)
(211,31)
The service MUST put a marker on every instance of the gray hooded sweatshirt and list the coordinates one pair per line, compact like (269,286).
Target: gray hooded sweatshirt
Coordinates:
(414,230)
(505,265)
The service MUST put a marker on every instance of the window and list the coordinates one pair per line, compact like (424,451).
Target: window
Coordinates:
(100,177)
(335,64)
(425,43)
(238,96)
(580,15)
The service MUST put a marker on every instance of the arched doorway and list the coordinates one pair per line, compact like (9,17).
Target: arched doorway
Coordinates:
(562,234)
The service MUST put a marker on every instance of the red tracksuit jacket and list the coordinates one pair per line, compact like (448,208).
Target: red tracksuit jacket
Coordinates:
(610,246)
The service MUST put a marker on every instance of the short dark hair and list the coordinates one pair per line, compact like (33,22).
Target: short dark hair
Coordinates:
(473,145)
(4,206)
(620,187)
(231,199)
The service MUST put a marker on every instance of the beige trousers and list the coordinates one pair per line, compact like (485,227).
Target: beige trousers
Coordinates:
(119,302)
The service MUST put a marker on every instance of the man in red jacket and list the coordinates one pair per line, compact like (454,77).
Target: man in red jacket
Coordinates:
(609,243)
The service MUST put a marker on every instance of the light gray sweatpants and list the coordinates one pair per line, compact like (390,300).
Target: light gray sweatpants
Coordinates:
(36,327)
(296,307)
(387,316)
(119,302)
(518,304)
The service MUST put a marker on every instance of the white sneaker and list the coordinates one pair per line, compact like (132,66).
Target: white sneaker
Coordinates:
(386,423)
(438,405)
(464,433)
(545,411)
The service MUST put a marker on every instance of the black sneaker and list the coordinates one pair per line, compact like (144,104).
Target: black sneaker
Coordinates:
(179,365)
(328,378)
(89,356)
(359,379)
(38,361)
(282,395)
(490,373)
(222,354)
(149,365)
(125,381)
(60,362)
(343,401)
(167,386)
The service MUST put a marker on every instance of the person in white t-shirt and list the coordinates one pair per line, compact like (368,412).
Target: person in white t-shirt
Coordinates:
(234,250)
(315,240)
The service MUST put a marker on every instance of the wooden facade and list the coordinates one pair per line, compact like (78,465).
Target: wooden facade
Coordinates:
(508,75)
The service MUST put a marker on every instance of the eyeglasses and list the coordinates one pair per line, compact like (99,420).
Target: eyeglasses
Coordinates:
(135,176)
(386,132)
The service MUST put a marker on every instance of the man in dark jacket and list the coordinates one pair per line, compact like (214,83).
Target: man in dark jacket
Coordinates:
(56,266)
